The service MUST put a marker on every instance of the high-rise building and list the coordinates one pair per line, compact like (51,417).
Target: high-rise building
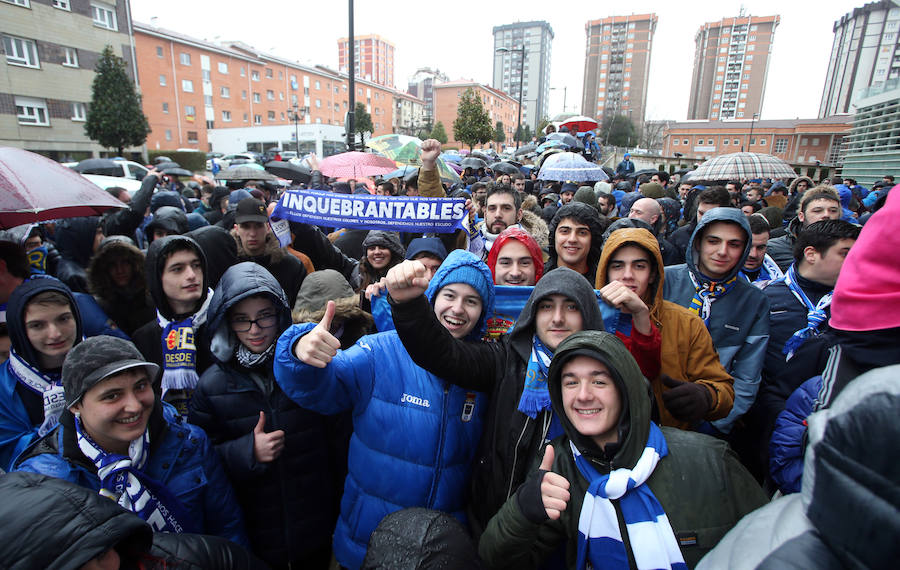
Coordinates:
(617,67)
(864,53)
(421,85)
(731,62)
(374,57)
(536,38)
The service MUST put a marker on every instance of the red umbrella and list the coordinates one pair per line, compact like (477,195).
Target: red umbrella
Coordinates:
(579,124)
(356,165)
(34,188)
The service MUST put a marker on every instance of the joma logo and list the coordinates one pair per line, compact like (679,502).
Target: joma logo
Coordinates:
(408,398)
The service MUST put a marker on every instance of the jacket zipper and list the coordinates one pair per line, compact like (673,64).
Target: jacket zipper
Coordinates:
(440,449)
(546,427)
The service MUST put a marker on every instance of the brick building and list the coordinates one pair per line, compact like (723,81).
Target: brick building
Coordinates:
(617,67)
(190,86)
(797,141)
(731,62)
(373,58)
(50,49)
(499,106)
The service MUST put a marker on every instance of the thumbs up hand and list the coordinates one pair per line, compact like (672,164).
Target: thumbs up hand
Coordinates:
(407,280)
(266,446)
(319,346)
(554,487)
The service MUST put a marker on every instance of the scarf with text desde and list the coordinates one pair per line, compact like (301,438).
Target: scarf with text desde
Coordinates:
(122,480)
(650,535)
(391,213)
(179,348)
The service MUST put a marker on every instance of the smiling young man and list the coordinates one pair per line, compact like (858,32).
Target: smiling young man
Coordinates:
(819,203)
(515,260)
(576,236)
(735,312)
(503,209)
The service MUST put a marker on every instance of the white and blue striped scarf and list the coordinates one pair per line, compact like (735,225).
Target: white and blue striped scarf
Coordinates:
(653,543)
(815,315)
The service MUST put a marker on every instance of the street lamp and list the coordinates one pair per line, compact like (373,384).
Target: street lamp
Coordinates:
(296,114)
(750,138)
(521,51)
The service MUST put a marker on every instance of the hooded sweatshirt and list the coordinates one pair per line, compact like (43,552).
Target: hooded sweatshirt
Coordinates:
(583,214)
(129,307)
(685,349)
(738,319)
(74,239)
(700,484)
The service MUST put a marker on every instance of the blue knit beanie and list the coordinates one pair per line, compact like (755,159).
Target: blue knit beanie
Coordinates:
(462,266)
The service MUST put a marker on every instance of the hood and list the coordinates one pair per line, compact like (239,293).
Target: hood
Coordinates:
(239,282)
(99,281)
(166,198)
(634,424)
(51,523)
(583,214)
(809,182)
(866,296)
(560,281)
(719,215)
(520,235)
(850,479)
(15,313)
(464,267)
(845,194)
(272,252)
(643,238)
(220,250)
(325,285)
(535,225)
(430,245)
(74,238)
(153,266)
(172,220)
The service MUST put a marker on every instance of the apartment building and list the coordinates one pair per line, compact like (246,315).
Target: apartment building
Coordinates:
(731,63)
(499,106)
(421,85)
(373,57)
(536,38)
(409,114)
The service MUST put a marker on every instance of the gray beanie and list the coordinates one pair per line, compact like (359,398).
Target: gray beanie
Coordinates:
(390,240)
(97,358)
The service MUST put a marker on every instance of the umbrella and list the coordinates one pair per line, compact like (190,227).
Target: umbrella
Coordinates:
(159,160)
(647,171)
(103,166)
(451,157)
(505,168)
(405,151)
(609,171)
(682,171)
(741,165)
(579,123)
(178,172)
(356,164)
(473,162)
(547,145)
(566,139)
(525,149)
(166,165)
(292,172)
(570,166)
(482,155)
(34,189)
(402,173)
(455,167)
(540,160)
(562,117)
(244,172)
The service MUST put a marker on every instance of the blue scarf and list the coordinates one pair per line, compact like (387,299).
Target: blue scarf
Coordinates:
(122,480)
(768,271)
(180,349)
(707,292)
(815,315)
(536,397)
(48,386)
(37,259)
(653,542)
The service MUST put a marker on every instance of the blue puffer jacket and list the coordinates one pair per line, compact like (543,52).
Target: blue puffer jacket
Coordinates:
(787,444)
(181,458)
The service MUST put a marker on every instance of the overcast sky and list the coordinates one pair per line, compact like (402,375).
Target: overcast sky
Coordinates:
(456,37)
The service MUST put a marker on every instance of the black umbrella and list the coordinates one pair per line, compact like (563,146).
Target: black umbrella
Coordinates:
(482,155)
(473,162)
(177,172)
(566,139)
(161,159)
(505,168)
(682,171)
(292,172)
(244,173)
(609,171)
(102,166)
(647,171)
(525,149)
(167,165)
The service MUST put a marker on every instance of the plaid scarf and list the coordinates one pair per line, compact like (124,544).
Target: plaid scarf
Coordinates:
(122,480)
(48,386)
(815,315)
(180,350)
(705,293)
(536,397)
(653,542)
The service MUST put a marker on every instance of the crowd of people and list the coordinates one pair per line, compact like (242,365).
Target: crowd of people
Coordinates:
(639,372)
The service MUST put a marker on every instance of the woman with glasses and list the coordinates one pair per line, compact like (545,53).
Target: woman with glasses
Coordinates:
(276,453)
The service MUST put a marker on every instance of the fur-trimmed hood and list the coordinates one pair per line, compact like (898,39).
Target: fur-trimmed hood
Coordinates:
(99,281)
(537,227)
(273,249)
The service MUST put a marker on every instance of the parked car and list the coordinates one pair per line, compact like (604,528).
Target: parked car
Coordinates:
(123,169)
(130,184)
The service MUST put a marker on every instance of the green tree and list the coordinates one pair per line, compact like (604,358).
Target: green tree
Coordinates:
(362,123)
(114,118)
(618,130)
(424,131)
(542,124)
(438,133)
(472,125)
(499,134)
(523,134)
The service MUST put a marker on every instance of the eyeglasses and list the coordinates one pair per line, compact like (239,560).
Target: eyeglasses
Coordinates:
(263,322)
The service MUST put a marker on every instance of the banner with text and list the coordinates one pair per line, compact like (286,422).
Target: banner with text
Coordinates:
(398,214)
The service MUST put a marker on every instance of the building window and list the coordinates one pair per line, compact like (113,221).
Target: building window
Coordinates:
(223,68)
(192,136)
(207,100)
(243,72)
(23,3)
(32,111)
(159,51)
(780,146)
(62,5)
(166,108)
(762,142)
(168,135)
(187,85)
(319,104)
(270,95)
(804,141)
(162,80)
(226,116)
(104,16)
(815,141)
(204,75)
(254,75)
(185,58)
(281,95)
(245,117)
(318,85)
(225,92)
(280,76)
(271,115)
(243,93)
(190,111)
(257,119)
(725,142)
(20,52)
(685,141)
(676,141)
(79,112)
(268,73)
(736,142)
(256,98)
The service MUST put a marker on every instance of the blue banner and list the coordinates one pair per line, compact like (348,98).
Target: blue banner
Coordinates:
(391,213)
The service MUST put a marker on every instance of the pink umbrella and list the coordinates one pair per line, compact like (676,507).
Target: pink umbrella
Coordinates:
(34,188)
(356,165)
